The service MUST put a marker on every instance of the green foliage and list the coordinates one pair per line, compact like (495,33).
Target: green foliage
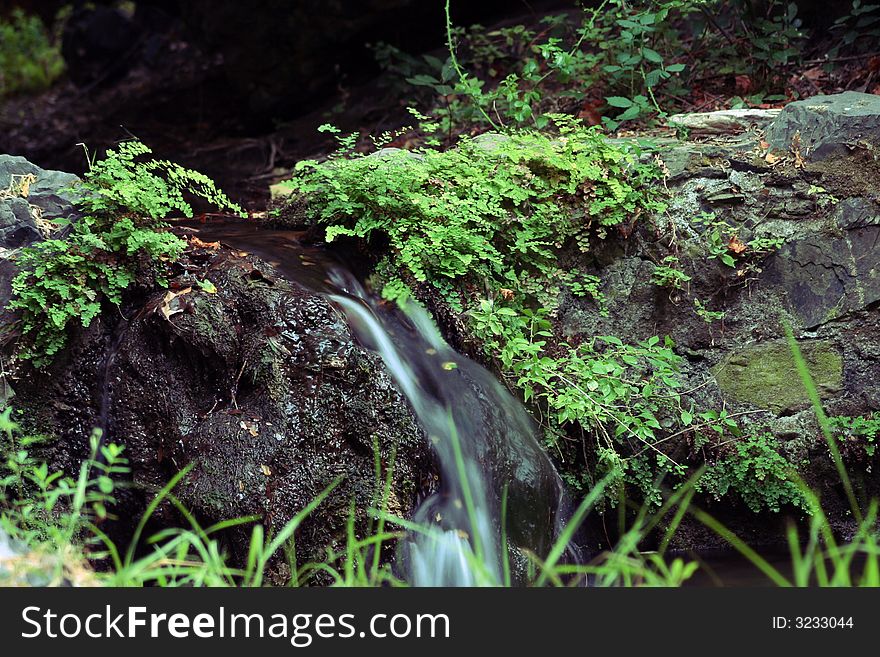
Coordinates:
(632,39)
(717,235)
(492,210)
(668,275)
(29,59)
(40,506)
(124,199)
(775,37)
(861,431)
(757,472)
(624,395)
(640,56)
(859,28)
(704,313)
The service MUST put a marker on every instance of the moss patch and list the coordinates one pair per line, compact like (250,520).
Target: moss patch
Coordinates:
(764,374)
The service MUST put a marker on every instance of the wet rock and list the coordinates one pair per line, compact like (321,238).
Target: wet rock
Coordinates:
(828,125)
(29,198)
(824,277)
(260,388)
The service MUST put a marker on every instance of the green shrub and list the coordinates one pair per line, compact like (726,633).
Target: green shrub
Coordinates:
(29,60)
(861,431)
(124,199)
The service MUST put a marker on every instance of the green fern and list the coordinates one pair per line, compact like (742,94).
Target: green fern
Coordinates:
(124,200)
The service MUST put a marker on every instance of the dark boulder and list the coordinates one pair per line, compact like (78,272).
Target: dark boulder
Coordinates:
(822,126)
(260,387)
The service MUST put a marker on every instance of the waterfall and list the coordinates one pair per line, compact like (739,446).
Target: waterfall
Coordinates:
(485,441)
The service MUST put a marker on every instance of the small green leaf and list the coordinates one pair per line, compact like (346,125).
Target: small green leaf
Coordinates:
(618,101)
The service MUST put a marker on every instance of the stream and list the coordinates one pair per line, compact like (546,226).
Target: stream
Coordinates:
(500,496)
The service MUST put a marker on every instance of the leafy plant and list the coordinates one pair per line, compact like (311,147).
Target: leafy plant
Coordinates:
(757,472)
(124,198)
(861,430)
(633,67)
(704,313)
(858,28)
(29,59)
(494,209)
(39,507)
(666,274)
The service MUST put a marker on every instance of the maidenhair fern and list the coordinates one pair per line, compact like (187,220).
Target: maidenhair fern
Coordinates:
(493,210)
(124,199)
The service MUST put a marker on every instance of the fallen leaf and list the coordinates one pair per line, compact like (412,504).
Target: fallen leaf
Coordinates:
(196,242)
(208,286)
(506,294)
(25,184)
(171,303)
(771,159)
(742,84)
(251,427)
(590,114)
(796,150)
(814,74)
(266,470)
(735,245)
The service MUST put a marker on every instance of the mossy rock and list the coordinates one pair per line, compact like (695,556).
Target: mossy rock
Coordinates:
(764,375)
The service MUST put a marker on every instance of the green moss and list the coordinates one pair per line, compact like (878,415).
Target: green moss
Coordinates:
(764,374)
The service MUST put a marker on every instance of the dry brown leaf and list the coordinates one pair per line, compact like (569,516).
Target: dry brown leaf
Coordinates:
(735,245)
(251,427)
(743,84)
(171,304)
(814,74)
(196,242)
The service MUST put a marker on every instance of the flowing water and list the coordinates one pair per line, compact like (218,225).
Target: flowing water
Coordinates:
(499,493)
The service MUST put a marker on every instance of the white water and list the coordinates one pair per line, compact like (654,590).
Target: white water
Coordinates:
(459,554)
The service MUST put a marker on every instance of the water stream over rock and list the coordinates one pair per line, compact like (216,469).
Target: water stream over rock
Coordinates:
(499,495)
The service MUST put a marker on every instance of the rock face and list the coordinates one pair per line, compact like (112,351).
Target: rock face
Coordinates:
(28,193)
(761,374)
(807,229)
(828,125)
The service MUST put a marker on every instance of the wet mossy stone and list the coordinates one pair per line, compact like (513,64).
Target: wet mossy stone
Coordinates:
(828,125)
(764,375)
